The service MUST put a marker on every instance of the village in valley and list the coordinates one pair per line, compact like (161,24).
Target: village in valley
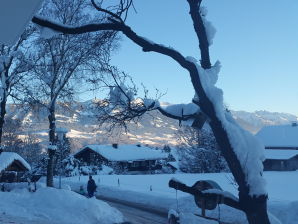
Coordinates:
(83,142)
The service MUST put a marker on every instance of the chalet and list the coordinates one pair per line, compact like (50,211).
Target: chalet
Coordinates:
(12,167)
(281,160)
(279,137)
(124,157)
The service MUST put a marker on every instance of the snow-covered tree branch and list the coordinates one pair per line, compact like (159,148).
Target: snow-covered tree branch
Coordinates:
(123,105)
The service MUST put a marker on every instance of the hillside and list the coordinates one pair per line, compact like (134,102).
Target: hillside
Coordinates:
(253,122)
(153,129)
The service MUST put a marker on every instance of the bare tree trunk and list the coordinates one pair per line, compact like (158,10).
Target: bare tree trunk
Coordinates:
(2,116)
(5,89)
(51,151)
(255,209)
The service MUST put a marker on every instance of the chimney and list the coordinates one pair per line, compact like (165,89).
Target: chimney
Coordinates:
(115,145)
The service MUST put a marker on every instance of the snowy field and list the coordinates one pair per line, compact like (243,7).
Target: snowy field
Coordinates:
(281,186)
(53,206)
(153,190)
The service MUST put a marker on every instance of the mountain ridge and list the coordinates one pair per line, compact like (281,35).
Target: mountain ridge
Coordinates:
(153,128)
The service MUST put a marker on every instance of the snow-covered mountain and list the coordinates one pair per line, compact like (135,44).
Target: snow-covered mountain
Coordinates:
(153,129)
(253,122)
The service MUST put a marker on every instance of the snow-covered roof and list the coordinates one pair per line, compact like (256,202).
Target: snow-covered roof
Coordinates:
(280,154)
(126,152)
(279,136)
(174,164)
(7,158)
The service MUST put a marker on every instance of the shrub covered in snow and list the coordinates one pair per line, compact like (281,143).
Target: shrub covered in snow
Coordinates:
(71,166)
(90,170)
(198,151)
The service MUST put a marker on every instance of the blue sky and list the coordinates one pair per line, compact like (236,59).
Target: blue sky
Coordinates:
(256,43)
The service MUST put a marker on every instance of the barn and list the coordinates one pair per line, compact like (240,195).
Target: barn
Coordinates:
(124,157)
(281,160)
(12,167)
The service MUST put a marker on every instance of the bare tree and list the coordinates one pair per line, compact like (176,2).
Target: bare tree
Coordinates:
(13,64)
(124,104)
(11,133)
(61,62)
(240,149)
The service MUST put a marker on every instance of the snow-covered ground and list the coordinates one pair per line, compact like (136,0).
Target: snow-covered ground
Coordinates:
(153,190)
(53,206)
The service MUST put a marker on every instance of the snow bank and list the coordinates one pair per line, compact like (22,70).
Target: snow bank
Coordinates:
(57,206)
(287,212)
(187,210)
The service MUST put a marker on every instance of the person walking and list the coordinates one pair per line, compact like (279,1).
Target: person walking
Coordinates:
(91,187)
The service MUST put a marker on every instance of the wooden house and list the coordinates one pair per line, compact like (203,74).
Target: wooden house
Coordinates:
(122,157)
(281,160)
(12,167)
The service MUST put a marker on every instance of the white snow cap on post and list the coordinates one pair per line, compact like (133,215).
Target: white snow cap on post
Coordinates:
(14,17)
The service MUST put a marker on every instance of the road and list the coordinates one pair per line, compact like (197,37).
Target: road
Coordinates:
(132,215)
(135,214)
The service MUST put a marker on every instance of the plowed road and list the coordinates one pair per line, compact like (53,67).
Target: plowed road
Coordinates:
(136,214)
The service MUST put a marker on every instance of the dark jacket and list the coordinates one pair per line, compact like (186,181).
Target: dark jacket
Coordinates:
(91,186)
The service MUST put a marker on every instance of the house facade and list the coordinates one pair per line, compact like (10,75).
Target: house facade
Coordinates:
(12,167)
(121,157)
(281,160)
(281,147)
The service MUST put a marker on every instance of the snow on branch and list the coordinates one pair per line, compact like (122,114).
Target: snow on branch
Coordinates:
(210,29)
(248,149)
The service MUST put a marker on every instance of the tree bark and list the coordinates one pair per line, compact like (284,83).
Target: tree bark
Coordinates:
(3,103)
(51,151)
(255,208)
(2,116)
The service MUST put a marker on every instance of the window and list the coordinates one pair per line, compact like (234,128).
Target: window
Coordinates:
(135,164)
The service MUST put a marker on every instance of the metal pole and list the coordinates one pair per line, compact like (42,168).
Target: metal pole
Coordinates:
(60,162)
(60,168)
